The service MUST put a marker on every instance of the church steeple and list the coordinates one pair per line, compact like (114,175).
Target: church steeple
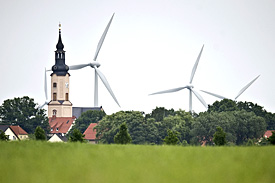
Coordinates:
(60,105)
(59,45)
(60,68)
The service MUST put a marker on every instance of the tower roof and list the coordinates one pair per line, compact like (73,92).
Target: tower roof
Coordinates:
(59,45)
(60,68)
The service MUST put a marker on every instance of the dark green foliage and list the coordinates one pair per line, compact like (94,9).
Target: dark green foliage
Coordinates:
(230,105)
(76,136)
(23,112)
(160,113)
(40,134)
(271,139)
(123,137)
(222,106)
(219,137)
(86,119)
(3,137)
(171,138)
(110,124)
(238,125)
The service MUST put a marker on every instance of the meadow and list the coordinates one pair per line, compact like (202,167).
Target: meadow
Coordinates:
(32,161)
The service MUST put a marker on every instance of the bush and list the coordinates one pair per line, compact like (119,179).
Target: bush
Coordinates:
(3,136)
(171,138)
(76,136)
(123,137)
(219,137)
(40,134)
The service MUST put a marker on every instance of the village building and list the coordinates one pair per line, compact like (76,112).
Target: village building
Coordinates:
(90,133)
(14,132)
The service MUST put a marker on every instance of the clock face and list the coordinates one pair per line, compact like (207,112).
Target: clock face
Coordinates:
(67,85)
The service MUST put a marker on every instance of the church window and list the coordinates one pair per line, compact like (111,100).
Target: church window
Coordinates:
(54,85)
(54,96)
(54,112)
(67,96)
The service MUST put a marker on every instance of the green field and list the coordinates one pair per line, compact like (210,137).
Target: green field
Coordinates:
(32,161)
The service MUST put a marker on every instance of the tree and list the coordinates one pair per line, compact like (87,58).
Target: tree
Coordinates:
(238,125)
(223,105)
(219,137)
(3,136)
(40,134)
(109,126)
(122,137)
(86,118)
(76,136)
(160,113)
(25,113)
(271,139)
(171,138)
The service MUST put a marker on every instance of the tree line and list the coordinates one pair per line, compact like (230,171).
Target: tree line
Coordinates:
(241,122)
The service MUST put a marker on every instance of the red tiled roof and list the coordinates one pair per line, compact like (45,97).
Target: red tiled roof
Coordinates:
(90,132)
(18,130)
(268,133)
(63,124)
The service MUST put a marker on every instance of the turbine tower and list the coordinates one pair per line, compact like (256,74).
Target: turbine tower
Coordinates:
(95,65)
(240,92)
(45,90)
(190,87)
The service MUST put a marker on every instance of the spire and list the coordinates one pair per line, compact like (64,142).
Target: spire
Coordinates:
(60,68)
(59,45)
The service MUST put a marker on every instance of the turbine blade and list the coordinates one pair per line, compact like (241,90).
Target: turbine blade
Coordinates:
(102,38)
(105,82)
(40,107)
(195,66)
(80,66)
(200,98)
(45,84)
(213,94)
(169,91)
(246,86)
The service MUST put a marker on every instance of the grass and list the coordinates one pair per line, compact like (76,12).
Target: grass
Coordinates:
(32,161)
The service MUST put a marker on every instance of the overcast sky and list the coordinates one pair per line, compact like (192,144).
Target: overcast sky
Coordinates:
(151,46)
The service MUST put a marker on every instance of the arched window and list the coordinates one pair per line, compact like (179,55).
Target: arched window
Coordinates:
(54,112)
(54,96)
(54,85)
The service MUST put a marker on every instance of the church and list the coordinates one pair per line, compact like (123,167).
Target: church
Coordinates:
(61,112)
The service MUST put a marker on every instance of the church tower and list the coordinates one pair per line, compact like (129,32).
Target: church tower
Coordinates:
(60,105)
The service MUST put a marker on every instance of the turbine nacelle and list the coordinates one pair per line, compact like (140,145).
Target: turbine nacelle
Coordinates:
(95,64)
(190,86)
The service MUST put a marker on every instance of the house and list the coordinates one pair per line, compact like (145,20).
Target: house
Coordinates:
(58,137)
(268,133)
(19,132)
(90,133)
(61,125)
(14,132)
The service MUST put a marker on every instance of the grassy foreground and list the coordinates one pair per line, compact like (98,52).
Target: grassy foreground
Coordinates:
(41,162)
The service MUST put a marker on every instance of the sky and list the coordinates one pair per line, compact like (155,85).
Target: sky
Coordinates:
(151,45)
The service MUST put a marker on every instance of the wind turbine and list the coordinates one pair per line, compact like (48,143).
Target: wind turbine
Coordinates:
(45,90)
(95,66)
(190,87)
(240,92)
